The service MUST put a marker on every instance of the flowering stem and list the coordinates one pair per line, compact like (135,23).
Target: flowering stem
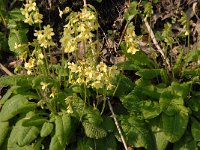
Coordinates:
(46,62)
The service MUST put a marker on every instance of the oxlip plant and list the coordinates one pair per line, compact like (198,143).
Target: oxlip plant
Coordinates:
(62,96)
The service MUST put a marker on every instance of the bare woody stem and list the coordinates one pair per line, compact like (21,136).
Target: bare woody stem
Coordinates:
(156,43)
(117,125)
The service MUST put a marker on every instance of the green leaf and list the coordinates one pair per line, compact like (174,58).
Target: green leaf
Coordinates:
(131,12)
(15,105)
(171,101)
(16,133)
(107,143)
(137,133)
(124,86)
(55,144)
(192,56)
(146,88)
(46,129)
(174,126)
(3,42)
(18,37)
(94,131)
(190,73)
(160,138)
(108,124)
(181,90)
(92,116)
(186,143)
(177,67)
(150,109)
(26,135)
(4,127)
(148,73)
(59,130)
(34,121)
(195,128)
(67,128)
(16,15)
(17,80)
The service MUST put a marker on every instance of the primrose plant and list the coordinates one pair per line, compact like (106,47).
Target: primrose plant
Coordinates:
(49,100)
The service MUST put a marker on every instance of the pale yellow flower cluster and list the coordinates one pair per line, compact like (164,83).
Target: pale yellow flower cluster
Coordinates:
(34,61)
(31,13)
(98,77)
(29,66)
(131,40)
(44,37)
(79,28)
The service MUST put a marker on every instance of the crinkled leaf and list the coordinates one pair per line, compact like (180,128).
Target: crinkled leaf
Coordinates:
(26,135)
(131,12)
(150,109)
(13,138)
(146,88)
(175,126)
(171,103)
(46,129)
(94,131)
(192,56)
(15,105)
(189,73)
(92,116)
(186,143)
(137,133)
(17,80)
(18,37)
(195,128)
(4,127)
(149,73)
(181,90)
(107,143)
(34,121)
(55,144)
(16,15)
(108,124)
(160,138)
(124,86)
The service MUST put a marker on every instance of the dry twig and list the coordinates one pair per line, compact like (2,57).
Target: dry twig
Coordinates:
(5,70)
(156,43)
(117,125)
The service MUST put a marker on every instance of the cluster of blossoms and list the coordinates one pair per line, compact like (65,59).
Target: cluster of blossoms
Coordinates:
(98,77)
(44,37)
(33,61)
(131,40)
(31,13)
(78,29)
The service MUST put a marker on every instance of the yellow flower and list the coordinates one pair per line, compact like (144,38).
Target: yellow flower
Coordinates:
(29,72)
(97,85)
(38,34)
(30,64)
(44,85)
(17,46)
(29,20)
(48,32)
(31,6)
(89,72)
(40,55)
(37,17)
(102,67)
(52,93)
(132,50)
